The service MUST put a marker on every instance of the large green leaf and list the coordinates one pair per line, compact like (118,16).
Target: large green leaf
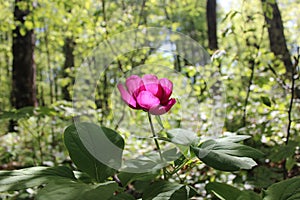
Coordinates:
(234,149)
(126,177)
(164,190)
(69,190)
(284,190)
(151,161)
(182,137)
(249,195)
(223,191)
(227,192)
(148,162)
(34,176)
(225,155)
(82,157)
(284,151)
(122,196)
(233,138)
(264,176)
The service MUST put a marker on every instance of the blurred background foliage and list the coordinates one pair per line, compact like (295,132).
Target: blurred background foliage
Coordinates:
(262,99)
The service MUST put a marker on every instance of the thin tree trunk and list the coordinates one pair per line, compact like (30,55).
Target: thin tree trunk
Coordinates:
(276,34)
(41,90)
(55,79)
(24,70)
(69,64)
(50,74)
(211,20)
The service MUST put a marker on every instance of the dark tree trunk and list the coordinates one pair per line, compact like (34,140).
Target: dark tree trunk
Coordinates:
(24,70)
(211,20)
(68,65)
(276,34)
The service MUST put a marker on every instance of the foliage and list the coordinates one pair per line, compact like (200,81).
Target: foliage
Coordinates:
(64,186)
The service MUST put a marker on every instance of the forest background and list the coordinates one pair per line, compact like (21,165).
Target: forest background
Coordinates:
(254,47)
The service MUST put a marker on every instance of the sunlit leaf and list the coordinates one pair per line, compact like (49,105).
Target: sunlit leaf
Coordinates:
(166,190)
(226,156)
(67,190)
(182,137)
(34,176)
(79,154)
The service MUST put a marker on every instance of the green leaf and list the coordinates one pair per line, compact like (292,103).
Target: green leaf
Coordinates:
(24,112)
(82,158)
(34,176)
(227,192)
(171,154)
(223,191)
(233,138)
(83,177)
(122,196)
(226,156)
(147,163)
(23,31)
(223,161)
(68,190)
(249,195)
(27,112)
(179,161)
(126,177)
(284,151)
(28,25)
(151,161)
(264,176)
(182,137)
(284,190)
(269,11)
(290,163)
(230,15)
(236,149)
(163,190)
(266,101)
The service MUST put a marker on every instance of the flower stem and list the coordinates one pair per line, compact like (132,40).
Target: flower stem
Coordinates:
(156,143)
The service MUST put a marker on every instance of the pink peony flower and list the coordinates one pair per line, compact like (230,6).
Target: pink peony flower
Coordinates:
(148,93)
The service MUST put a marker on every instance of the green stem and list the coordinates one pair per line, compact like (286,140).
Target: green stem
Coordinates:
(179,167)
(156,143)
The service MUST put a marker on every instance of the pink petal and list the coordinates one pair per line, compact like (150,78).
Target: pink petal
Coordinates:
(134,85)
(147,100)
(162,109)
(127,98)
(152,85)
(167,87)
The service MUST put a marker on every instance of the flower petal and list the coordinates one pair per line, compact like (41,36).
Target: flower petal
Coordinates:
(134,85)
(127,98)
(152,85)
(162,109)
(167,87)
(147,100)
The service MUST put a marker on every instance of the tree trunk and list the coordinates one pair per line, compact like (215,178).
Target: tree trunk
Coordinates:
(211,20)
(69,64)
(276,34)
(24,70)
